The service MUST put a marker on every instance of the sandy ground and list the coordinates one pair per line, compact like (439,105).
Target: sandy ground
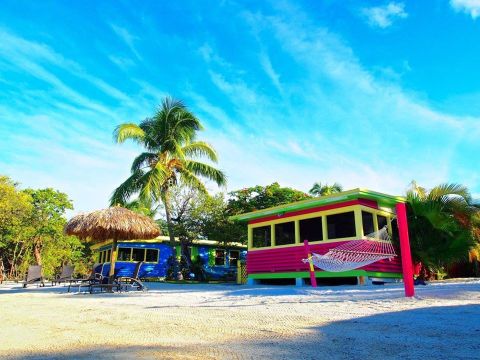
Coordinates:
(238,322)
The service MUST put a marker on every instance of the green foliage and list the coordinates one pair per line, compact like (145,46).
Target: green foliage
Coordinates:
(197,215)
(143,207)
(31,231)
(442,225)
(262,197)
(322,190)
(15,207)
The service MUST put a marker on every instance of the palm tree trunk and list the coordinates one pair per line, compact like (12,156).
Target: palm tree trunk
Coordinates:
(166,204)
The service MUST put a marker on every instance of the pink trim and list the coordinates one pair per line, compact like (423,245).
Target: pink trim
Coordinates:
(405,249)
(364,202)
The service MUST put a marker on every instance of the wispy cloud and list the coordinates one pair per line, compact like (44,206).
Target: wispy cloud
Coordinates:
(128,38)
(470,7)
(270,71)
(34,58)
(384,16)
(350,125)
(123,62)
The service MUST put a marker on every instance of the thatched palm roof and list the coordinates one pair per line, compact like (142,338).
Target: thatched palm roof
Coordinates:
(115,223)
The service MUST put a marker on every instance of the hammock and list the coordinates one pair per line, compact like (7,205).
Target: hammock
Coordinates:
(356,253)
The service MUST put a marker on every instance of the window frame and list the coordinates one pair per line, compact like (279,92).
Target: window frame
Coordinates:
(355,225)
(374,221)
(272,236)
(224,257)
(322,220)
(236,258)
(281,224)
(157,257)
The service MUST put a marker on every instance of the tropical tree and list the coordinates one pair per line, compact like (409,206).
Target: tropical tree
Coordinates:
(322,190)
(262,197)
(171,157)
(31,231)
(441,225)
(198,215)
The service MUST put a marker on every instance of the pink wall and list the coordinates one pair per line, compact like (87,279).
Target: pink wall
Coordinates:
(290,259)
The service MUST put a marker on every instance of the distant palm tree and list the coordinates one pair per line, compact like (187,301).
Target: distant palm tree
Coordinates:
(170,157)
(442,225)
(322,190)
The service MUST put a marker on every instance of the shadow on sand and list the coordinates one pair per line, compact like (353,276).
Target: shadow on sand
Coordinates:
(449,332)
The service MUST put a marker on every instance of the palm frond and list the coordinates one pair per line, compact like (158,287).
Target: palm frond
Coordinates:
(448,190)
(128,131)
(153,181)
(126,189)
(199,149)
(206,171)
(143,160)
(189,179)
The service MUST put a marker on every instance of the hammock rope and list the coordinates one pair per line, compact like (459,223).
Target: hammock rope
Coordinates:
(356,253)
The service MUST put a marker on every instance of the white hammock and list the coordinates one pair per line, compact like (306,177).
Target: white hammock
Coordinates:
(356,253)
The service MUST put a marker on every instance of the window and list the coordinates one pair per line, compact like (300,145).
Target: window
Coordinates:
(261,236)
(341,225)
(311,229)
(219,257)
(367,222)
(100,257)
(138,254)
(124,254)
(108,254)
(234,254)
(285,233)
(382,221)
(152,255)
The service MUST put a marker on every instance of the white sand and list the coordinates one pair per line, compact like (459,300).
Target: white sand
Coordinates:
(238,322)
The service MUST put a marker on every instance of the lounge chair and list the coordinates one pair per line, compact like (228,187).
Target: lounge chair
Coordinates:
(65,276)
(34,275)
(94,278)
(133,282)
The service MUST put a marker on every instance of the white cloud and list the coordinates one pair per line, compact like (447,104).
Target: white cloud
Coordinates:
(382,137)
(127,38)
(470,7)
(32,57)
(270,71)
(384,16)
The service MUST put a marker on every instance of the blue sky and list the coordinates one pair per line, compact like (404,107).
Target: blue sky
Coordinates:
(367,94)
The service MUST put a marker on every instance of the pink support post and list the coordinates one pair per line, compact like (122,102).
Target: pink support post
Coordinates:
(407,267)
(311,269)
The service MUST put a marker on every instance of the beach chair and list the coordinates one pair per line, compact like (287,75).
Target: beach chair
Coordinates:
(34,276)
(94,278)
(134,281)
(65,276)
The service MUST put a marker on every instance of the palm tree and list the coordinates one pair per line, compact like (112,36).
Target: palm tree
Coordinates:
(441,223)
(322,190)
(170,157)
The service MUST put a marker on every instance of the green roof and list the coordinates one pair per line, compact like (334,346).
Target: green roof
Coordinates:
(382,200)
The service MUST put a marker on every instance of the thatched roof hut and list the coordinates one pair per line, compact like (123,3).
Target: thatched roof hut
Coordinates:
(115,223)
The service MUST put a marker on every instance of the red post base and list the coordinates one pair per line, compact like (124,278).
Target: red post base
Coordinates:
(407,267)
(311,269)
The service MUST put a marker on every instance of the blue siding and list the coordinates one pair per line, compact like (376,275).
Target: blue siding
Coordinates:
(153,270)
